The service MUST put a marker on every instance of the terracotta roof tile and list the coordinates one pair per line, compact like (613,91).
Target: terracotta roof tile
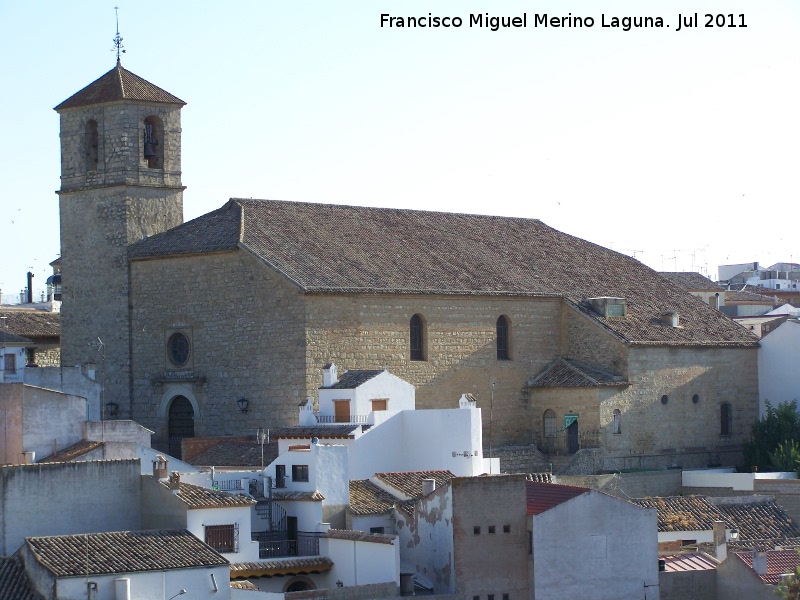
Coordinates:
(38,325)
(744,295)
(540,477)
(122,552)
(196,496)
(283,566)
(235,453)
(563,372)
(360,536)
(412,251)
(14,582)
(696,561)
(72,452)
(350,380)
(779,562)
(544,496)
(685,513)
(118,84)
(692,281)
(758,519)
(244,585)
(332,431)
(366,498)
(314,496)
(410,482)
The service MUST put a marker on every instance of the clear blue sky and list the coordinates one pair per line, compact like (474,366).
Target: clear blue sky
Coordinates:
(679,146)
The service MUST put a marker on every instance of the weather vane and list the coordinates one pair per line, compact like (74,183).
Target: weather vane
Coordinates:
(118,38)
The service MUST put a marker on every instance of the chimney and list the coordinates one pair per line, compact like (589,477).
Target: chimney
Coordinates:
(175,482)
(428,486)
(330,375)
(760,561)
(671,318)
(30,287)
(716,300)
(720,543)
(160,467)
(467,401)
(29,457)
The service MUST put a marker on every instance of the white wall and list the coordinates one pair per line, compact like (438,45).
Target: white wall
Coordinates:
(433,554)
(400,395)
(51,420)
(778,360)
(197,519)
(70,380)
(360,562)
(18,376)
(726,478)
(595,546)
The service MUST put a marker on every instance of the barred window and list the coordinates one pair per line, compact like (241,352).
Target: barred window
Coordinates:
(223,538)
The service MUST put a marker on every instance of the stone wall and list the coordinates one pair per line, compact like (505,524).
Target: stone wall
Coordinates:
(629,485)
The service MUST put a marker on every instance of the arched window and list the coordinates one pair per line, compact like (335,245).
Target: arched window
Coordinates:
(417,338)
(725,419)
(549,423)
(92,145)
(153,144)
(616,421)
(181,423)
(503,338)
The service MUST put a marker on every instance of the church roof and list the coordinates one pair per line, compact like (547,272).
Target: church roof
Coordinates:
(118,84)
(325,248)
(564,372)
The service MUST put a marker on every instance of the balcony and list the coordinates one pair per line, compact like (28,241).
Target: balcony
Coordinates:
(278,544)
(326,419)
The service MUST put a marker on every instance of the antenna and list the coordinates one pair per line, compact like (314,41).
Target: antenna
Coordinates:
(118,38)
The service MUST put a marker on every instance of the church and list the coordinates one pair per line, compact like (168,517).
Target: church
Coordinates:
(223,324)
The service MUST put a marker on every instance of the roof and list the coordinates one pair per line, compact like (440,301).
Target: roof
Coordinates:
(760,519)
(10,338)
(72,452)
(692,281)
(544,496)
(118,84)
(315,496)
(30,323)
(540,477)
(779,562)
(744,295)
(122,552)
(350,380)
(410,482)
(360,536)
(366,498)
(563,372)
(244,585)
(685,513)
(14,582)
(195,496)
(279,567)
(421,252)
(337,431)
(697,561)
(235,453)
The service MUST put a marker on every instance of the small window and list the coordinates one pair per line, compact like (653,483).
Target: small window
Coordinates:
(476,598)
(616,418)
(503,345)
(280,476)
(695,399)
(378,405)
(153,143)
(506,528)
(664,399)
(417,338)
(178,349)
(30,356)
(725,419)
(615,310)
(10,365)
(549,423)
(491,528)
(490,597)
(92,145)
(299,472)
(476,530)
(506,596)
(223,538)
(376,529)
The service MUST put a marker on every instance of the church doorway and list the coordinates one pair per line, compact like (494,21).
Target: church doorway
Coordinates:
(573,444)
(180,424)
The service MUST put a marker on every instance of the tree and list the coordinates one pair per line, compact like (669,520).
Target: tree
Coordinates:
(786,456)
(789,588)
(780,425)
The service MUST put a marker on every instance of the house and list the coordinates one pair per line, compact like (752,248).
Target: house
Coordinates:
(688,575)
(749,301)
(125,564)
(698,285)
(14,581)
(688,519)
(432,297)
(28,337)
(505,536)
(754,575)
(778,376)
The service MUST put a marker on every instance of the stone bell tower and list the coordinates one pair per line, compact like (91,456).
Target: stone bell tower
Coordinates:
(120,182)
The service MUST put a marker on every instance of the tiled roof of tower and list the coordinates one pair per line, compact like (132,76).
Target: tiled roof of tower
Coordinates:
(14,581)
(564,372)
(118,84)
(544,496)
(122,552)
(325,248)
(196,496)
(692,281)
(779,562)
(352,379)
(760,519)
(410,482)
(685,513)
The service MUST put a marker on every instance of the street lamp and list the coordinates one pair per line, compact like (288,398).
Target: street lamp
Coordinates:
(181,593)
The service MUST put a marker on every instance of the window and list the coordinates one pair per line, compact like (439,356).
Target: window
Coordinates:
(280,476)
(178,349)
(549,423)
(503,331)
(10,365)
(376,529)
(490,597)
(506,596)
(615,310)
(725,419)
(506,528)
(695,399)
(476,530)
(417,338)
(91,145)
(616,419)
(30,356)
(153,148)
(476,598)
(299,472)
(664,399)
(491,529)
(379,405)
(223,538)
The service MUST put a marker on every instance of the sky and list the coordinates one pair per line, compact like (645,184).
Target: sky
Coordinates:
(677,147)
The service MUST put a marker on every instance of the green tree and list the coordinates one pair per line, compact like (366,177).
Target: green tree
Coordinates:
(786,456)
(789,587)
(780,425)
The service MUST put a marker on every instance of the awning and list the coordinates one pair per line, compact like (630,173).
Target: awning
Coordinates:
(569,419)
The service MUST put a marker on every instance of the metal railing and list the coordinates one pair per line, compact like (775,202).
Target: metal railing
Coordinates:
(277,544)
(334,419)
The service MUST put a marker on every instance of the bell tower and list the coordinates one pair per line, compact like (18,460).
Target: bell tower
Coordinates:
(120,183)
